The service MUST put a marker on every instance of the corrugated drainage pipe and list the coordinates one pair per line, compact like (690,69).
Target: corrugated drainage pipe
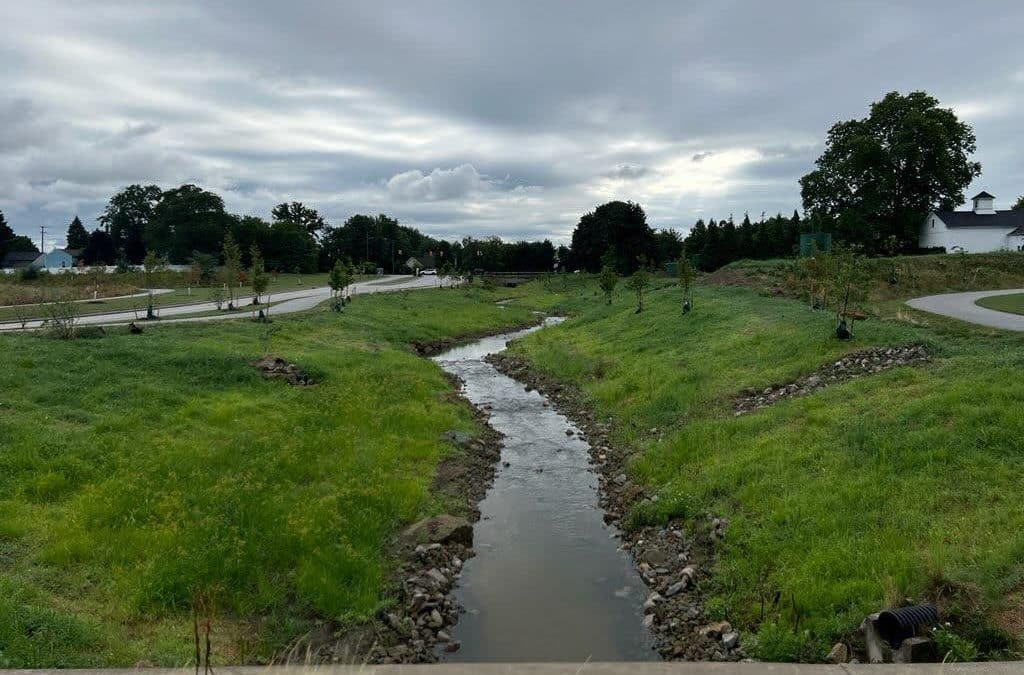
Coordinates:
(896,625)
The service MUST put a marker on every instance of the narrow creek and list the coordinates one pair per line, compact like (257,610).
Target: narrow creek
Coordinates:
(549,582)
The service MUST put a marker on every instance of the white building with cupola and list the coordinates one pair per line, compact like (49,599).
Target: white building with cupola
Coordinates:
(981,230)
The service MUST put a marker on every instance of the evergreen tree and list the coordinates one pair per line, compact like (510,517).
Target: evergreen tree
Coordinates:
(77,237)
(6,235)
(5,230)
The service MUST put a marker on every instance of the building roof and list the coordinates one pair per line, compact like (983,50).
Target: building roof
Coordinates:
(19,258)
(1008,219)
(983,195)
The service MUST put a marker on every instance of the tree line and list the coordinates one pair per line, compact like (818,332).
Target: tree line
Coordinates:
(189,225)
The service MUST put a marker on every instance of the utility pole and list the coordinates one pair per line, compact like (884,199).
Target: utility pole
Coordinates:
(42,243)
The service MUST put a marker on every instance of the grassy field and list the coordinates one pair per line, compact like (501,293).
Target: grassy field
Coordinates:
(179,295)
(908,483)
(137,472)
(1004,303)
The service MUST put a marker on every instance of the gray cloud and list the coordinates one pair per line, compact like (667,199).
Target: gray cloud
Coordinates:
(477,119)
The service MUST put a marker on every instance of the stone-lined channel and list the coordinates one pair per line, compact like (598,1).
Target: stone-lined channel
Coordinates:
(548,582)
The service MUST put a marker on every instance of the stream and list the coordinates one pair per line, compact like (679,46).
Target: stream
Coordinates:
(548,582)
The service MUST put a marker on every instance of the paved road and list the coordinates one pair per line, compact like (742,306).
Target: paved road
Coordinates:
(284,303)
(961,306)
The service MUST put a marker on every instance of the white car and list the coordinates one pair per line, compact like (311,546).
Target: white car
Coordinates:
(429,271)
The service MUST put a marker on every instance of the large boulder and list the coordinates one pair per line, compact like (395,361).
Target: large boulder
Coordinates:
(442,529)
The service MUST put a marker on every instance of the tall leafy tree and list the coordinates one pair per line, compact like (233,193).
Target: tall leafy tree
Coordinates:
(99,250)
(619,226)
(880,175)
(127,216)
(298,213)
(77,236)
(19,243)
(187,219)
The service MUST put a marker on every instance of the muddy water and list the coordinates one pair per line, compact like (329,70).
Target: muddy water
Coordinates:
(548,582)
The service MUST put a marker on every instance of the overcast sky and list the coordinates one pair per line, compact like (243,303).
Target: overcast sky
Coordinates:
(478,117)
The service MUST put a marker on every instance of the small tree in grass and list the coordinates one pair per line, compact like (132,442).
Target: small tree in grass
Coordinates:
(218,296)
(340,279)
(232,264)
(687,277)
(151,264)
(608,280)
(638,283)
(258,276)
(848,281)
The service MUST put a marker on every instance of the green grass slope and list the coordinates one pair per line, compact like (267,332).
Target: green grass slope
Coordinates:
(908,483)
(138,471)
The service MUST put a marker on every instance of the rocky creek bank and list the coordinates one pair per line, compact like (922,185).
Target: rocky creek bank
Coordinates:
(430,553)
(674,560)
(851,366)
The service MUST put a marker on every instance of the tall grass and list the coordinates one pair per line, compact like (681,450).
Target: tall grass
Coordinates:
(139,471)
(841,502)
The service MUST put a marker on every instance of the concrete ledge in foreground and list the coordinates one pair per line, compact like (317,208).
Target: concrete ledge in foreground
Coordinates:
(675,668)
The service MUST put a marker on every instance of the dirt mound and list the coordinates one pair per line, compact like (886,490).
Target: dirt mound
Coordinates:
(274,367)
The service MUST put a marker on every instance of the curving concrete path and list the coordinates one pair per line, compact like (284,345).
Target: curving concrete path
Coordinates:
(961,306)
(284,303)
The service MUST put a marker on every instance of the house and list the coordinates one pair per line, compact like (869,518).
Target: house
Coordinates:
(980,230)
(16,260)
(56,259)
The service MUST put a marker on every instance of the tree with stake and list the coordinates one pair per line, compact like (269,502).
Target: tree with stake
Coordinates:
(151,264)
(339,280)
(232,264)
(639,282)
(848,280)
(608,281)
(257,276)
(687,277)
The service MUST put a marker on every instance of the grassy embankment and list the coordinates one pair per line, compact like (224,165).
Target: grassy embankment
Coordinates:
(916,275)
(13,291)
(1004,303)
(908,483)
(138,471)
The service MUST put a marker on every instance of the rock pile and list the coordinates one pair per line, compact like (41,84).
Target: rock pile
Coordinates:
(849,367)
(672,560)
(422,620)
(274,367)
